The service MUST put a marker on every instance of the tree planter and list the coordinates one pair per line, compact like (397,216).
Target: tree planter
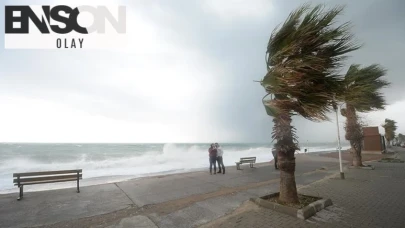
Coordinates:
(304,211)
(369,167)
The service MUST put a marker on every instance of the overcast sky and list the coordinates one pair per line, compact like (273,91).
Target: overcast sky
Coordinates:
(187,75)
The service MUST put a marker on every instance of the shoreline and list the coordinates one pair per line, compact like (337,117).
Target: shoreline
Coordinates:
(116,179)
(94,181)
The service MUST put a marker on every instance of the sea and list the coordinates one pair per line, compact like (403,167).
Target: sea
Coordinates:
(106,163)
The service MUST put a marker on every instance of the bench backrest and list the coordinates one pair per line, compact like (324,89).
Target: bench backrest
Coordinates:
(46,177)
(248,159)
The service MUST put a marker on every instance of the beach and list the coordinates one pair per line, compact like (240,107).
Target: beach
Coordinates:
(171,200)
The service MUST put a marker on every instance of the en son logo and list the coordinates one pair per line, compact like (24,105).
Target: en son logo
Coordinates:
(62,26)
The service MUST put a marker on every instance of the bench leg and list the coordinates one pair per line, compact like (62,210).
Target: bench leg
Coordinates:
(78,178)
(21,192)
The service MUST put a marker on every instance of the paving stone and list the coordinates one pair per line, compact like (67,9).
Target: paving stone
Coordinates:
(138,221)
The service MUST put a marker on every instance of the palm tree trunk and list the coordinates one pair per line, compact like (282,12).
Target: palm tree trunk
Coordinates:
(285,146)
(354,134)
(356,161)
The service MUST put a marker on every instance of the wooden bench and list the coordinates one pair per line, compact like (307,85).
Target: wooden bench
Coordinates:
(250,160)
(21,179)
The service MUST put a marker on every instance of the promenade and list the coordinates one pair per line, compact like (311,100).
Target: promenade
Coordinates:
(199,199)
(366,198)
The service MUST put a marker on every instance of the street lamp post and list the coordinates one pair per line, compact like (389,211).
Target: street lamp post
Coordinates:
(342,174)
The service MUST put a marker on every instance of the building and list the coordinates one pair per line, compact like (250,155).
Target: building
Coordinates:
(373,141)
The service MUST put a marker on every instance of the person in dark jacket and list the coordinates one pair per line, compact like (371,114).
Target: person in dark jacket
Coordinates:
(212,151)
(274,152)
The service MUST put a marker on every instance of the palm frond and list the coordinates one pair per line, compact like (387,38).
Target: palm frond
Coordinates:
(362,87)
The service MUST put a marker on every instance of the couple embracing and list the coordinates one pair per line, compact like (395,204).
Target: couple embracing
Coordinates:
(215,153)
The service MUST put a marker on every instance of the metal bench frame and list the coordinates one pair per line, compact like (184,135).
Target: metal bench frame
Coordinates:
(250,160)
(21,179)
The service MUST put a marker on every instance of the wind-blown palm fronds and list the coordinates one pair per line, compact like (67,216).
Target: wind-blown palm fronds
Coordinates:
(303,57)
(362,87)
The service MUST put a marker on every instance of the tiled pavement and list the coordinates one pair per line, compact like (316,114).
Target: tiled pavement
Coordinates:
(366,198)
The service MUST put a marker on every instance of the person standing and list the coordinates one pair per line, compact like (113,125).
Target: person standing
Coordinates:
(220,159)
(274,152)
(212,151)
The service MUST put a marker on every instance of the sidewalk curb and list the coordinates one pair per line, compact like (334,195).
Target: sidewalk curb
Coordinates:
(337,174)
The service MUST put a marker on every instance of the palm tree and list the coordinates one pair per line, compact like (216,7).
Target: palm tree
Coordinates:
(390,126)
(302,57)
(395,141)
(361,93)
(401,138)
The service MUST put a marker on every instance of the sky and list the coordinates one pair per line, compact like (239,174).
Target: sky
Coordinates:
(187,75)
